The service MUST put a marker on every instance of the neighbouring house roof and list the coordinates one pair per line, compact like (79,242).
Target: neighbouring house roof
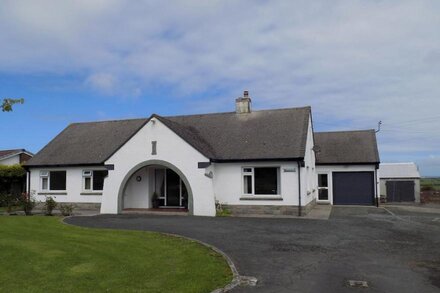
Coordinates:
(9,153)
(346,147)
(260,135)
(398,170)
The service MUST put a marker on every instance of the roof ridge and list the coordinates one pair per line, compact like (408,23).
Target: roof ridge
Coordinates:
(336,131)
(232,112)
(113,120)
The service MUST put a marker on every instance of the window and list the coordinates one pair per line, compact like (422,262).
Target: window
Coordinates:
(53,180)
(248,175)
(44,175)
(322,186)
(94,180)
(261,181)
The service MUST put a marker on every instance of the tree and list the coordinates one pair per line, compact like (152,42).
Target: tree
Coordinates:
(7,104)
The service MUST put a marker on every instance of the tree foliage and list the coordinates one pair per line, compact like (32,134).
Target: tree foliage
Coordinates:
(14,171)
(7,104)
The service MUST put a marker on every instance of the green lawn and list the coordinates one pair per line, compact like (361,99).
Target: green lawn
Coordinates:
(41,254)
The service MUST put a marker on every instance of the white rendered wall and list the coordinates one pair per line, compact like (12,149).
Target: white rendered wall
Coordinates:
(309,179)
(170,148)
(228,184)
(11,161)
(74,186)
(137,192)
(328,169)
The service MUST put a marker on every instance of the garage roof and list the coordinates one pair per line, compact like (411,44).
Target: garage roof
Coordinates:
(346,147)
(398,170)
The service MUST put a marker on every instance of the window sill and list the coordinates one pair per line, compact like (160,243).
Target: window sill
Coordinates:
(261,197)
(91,193)
(52,193)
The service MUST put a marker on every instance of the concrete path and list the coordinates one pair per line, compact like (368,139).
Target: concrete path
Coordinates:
(319,212)
(299,255)
(434,209)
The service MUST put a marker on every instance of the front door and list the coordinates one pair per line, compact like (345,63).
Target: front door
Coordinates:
(170,188)
(173,189)
(323,187)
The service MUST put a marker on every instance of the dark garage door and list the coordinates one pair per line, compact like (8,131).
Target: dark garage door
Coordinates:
(400,191)
(356,188)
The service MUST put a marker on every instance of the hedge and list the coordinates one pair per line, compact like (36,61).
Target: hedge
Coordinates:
(10,172)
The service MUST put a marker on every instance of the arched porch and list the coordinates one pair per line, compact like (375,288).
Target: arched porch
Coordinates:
(155,186)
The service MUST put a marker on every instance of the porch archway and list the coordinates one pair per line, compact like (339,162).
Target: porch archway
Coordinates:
(154,163)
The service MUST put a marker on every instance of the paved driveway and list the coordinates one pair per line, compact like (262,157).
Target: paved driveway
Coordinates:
(393,253)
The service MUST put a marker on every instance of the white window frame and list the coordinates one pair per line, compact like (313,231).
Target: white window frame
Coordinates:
(252,174)
(86,174)
(46,174)
(322,187)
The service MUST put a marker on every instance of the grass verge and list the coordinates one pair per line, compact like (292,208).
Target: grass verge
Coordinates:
(41,254)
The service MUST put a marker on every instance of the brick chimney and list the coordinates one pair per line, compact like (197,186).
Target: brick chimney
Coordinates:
(243,104)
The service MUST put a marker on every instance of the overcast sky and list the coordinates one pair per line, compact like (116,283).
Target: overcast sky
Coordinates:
(354,62)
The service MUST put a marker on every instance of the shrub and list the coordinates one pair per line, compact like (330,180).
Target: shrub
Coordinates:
(50,205)
(221,211)
(66,209)
(28,203)
(428,187)
(9,201)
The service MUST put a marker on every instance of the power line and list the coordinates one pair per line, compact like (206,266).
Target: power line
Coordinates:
(426,119)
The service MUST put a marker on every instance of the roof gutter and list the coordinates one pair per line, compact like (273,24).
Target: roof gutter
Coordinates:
(348,163)
(256,160)
(63,165)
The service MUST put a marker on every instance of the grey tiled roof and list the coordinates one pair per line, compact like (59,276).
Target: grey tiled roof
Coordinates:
(268,134)
(346,147)
(86,143)
(260,135)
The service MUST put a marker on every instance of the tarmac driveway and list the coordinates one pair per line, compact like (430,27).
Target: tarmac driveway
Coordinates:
(394,251)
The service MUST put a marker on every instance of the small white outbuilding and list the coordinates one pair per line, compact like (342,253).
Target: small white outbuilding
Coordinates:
(399,182)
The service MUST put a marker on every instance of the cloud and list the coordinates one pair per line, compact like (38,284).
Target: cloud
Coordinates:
(102,82)
(356,63)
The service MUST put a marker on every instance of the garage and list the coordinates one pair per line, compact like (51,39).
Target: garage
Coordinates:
(400,182)
(400,191)
(353,188)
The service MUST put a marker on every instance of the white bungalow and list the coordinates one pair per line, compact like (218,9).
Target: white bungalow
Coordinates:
(255,162)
